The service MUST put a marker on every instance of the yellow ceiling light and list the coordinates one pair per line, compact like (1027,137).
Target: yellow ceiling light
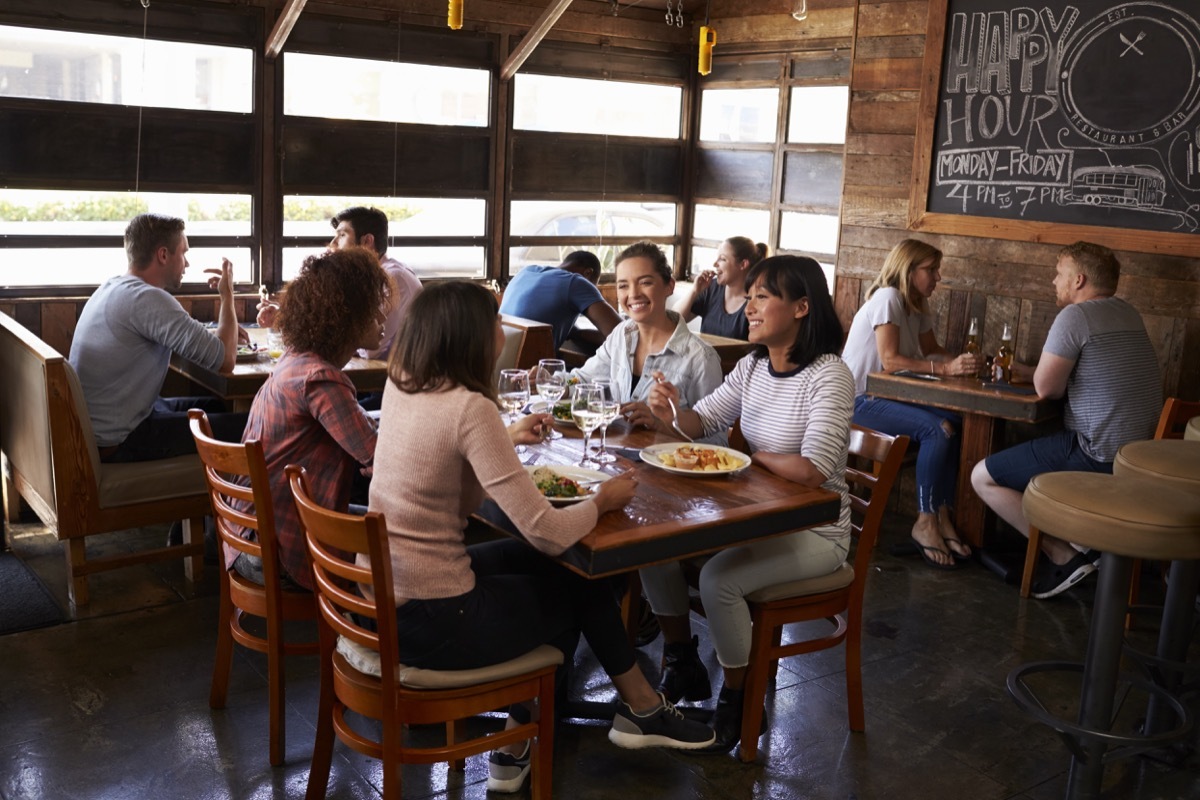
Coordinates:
(454,14)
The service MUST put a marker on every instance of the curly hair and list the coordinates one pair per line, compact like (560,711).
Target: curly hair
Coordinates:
(334,301)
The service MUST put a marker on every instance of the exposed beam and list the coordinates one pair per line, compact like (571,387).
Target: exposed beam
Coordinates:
(533,38)
(283,27)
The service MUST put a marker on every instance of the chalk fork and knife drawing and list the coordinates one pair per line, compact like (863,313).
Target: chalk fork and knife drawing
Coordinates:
(1132,45)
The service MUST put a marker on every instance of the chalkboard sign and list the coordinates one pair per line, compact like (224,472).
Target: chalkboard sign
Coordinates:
(1066,115)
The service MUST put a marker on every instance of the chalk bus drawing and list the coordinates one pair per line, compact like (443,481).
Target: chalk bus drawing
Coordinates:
(1140,186)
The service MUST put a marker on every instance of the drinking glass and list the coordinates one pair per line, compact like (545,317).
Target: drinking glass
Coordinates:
(609,408)
(551,386)
(274,344)
(583,405)
(513,391)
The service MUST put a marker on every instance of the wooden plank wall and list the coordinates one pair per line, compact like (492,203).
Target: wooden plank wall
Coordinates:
(993,279)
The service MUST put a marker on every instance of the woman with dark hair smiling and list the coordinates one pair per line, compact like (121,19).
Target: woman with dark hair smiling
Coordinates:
(306,412)
(794,396)
(442,444)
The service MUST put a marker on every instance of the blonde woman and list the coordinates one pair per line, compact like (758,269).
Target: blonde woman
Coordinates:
(894,330)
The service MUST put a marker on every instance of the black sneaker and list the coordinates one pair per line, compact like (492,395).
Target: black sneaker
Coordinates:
(1053,579)
(663,727)
(507,773)
(684,675)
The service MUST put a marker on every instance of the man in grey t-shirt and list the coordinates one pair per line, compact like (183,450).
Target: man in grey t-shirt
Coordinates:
(1099,356)
(123,343)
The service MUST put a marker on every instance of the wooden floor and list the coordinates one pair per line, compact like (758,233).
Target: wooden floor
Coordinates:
(114,705)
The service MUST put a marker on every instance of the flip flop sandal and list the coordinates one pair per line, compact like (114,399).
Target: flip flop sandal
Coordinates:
(955,554)
(925,550)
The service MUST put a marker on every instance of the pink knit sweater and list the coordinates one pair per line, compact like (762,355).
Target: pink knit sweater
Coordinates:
(438,452)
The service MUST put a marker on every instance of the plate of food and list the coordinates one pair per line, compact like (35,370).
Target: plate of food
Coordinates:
(562,413)
(248,352)
(563,484)
(695,459)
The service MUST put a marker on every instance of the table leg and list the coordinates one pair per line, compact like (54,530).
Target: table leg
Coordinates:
(979,432)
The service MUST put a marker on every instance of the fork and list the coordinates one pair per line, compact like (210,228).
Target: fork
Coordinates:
(675,420)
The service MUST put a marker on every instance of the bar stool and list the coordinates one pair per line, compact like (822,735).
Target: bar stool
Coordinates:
(1125,518)
(1173,463)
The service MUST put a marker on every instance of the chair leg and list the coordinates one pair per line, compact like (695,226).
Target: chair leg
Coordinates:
(457,764)
(223,658)
(761,667)
(193,566)
(542,757)
(1135,589)
(1032,551)
(854,683)
(322,757)
(276,690)
(77,583)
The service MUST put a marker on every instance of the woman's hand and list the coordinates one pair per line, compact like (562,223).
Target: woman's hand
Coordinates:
(964,365)
(267,311)
(615,492)
(530,429)
(702,280)
(661,395)
(639,414)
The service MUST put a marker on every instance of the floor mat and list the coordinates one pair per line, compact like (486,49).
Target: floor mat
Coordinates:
(24,602)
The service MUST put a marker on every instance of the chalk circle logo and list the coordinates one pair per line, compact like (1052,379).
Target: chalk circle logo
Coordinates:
(1131,74)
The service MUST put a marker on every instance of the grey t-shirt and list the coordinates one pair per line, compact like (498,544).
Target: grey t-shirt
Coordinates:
(122,348)
(1114,393)
(886,306)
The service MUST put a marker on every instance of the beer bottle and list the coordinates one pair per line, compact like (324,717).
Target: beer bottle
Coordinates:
(1002,363)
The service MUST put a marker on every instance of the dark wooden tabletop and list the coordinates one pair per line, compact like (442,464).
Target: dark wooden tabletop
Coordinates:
(965,395)
(675,516)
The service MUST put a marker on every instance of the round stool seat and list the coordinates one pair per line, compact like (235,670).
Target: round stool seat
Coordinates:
(1192,432)
(1173,462)
(1129,516)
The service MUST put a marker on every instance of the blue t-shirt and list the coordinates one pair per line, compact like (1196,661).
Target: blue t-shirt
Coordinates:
(551,295)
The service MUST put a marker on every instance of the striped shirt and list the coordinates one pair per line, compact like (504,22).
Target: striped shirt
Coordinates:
(1114,393)
(806,411)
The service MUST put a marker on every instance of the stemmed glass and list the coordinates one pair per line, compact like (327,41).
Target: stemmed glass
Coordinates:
(513,391)
(551,386)
(584,411)
(609,408)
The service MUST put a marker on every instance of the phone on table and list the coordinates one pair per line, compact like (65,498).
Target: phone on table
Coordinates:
(921,376)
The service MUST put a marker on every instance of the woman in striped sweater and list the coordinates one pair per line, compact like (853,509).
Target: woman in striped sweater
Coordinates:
(794,396)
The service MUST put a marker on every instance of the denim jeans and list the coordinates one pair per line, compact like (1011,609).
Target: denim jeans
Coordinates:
(937,459)
(166,432)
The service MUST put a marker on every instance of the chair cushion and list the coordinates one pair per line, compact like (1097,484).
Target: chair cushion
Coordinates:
(1174,462)
(126,484)
(1192,432)
(1129,516)
(366,660)
(840,578)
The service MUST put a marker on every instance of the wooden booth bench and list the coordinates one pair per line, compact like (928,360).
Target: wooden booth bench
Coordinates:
(51,461)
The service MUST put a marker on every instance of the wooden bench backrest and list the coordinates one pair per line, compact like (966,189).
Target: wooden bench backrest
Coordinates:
(526,342)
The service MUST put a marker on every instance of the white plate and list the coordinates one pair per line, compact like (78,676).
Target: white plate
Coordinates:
(575,474)
(650,456)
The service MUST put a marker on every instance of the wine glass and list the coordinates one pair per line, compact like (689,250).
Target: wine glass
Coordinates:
(513,392)
(551,386)
(608,407)
(583,403)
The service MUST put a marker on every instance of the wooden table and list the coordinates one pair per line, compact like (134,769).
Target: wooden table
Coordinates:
(676,516)
(237,388)
(984,412)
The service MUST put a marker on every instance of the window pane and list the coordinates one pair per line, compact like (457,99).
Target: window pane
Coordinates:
(36,212)
(812,233)
(722,222)
(90,68)
(703,259)
(92,266)
(385,91)
(739,115)
(579,105)
(427,262)
(552,255)
(584,219)
(818,114)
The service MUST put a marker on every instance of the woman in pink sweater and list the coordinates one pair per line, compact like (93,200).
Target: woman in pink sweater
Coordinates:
(442,446)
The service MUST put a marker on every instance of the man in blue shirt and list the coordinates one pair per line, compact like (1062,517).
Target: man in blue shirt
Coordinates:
(558,295)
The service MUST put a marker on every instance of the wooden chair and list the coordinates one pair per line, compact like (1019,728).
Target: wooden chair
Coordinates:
(526,342)
(361,671)
(836,598)
(1171,424)
(228,468)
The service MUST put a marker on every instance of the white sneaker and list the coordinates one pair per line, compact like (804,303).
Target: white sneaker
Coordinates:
(507,773)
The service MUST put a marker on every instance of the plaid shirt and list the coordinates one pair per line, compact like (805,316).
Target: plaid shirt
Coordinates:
(306,413)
